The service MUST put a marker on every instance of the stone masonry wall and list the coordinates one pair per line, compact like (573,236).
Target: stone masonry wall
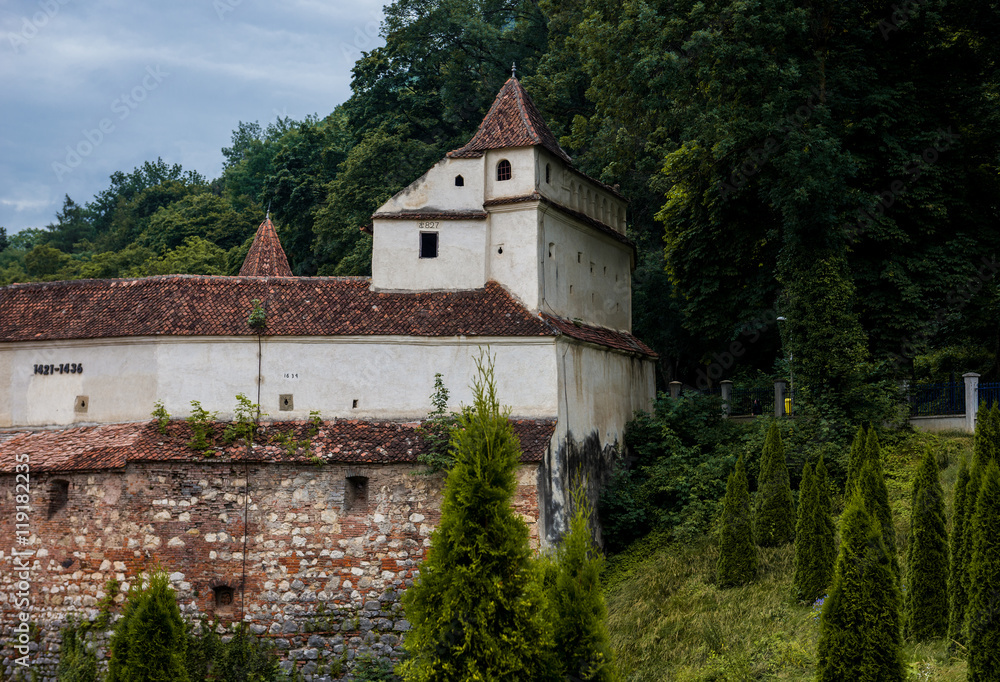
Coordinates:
(324,570)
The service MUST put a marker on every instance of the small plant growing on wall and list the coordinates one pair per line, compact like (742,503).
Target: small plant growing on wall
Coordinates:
(258,317)
(201,421)
(436,431)
(244,424)
(161,416)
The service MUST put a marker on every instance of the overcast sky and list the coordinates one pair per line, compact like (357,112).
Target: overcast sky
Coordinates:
(94,86)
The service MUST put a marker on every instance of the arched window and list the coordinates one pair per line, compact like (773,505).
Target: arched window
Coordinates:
(459,181)
(548,173)
(503,170)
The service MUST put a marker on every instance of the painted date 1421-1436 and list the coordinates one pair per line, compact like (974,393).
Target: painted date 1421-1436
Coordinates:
(65,368)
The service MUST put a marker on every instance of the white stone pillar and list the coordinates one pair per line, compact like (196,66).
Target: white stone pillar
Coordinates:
(727,397)
(971,400)
(779,397)
(675,389)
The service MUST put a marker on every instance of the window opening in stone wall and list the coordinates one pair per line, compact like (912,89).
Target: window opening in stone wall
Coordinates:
(428,244)
(58,496)
(548,173)
(286,402)
(356,494)
(223,598)
(459,181)
(503,170)
(354,404)
(552,249)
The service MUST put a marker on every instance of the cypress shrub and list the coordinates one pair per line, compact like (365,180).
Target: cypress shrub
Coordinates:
(245,658)
(774,514)
(578,612)
(957,596)
(476,609)
(926,601)
(810,578)
(77,663)
(983,621)
(828,529)
(855,460)
(737,563)
(149,641)
(860,636)
(871,485)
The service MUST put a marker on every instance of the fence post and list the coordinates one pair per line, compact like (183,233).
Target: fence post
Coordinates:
(727,397)
(779,397)
(971,400)
(675,389)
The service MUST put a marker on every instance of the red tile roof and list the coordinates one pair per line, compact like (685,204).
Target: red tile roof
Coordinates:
(431,215)
(599,336)
(266,258)
(513,121)
(343,441)
(193,305)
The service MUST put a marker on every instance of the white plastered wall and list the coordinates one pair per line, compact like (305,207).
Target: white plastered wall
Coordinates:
(514,251)
(435,190)
(390,377)
(585,274)
(460,263)
(522,179)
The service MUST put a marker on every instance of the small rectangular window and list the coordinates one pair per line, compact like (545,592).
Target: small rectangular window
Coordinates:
(428,244)
(356,494)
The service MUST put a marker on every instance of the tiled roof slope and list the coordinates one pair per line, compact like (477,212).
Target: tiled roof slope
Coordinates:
(599,336)
(192,305)
(266,258)
(344,441)
(513,121)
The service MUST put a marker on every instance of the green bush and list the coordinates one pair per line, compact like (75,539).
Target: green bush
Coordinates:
(436,431)
(245,658)
(77,663)
(860,637)
(812,572)
(957,597)
(774,511)
(737,563)
(476,609)
(149,640)
(370,669)
(871,486)
(926,604)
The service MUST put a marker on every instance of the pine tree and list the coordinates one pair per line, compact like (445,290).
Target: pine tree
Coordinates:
(957,596)
(149,641)
(578,611)
(871,486)
(926,603)
(860,636)
(774,514)
(983,621)
(807,583)
(828,529)
(476,610)
(737,563)
(855,460)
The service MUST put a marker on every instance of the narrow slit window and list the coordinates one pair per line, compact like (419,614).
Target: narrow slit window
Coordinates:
(459,181)
(548,173)
(58,496)
(503,170)
(428,244)
(356,494)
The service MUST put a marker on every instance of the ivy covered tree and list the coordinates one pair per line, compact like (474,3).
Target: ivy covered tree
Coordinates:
(926,604)
(774,513)
(149,640)
(576,604)
(737,563)
(477,610)
(813,555)
(983,625)
(860,635)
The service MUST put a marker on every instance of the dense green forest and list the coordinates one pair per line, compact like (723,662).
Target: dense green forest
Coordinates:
(833,163)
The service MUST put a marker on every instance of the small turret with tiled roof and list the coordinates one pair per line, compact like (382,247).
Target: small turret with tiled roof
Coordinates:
(266,258)
(513,121)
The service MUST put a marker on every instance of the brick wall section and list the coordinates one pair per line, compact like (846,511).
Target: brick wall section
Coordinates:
(323,582)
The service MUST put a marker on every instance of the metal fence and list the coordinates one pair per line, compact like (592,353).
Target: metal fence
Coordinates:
(742,400)
(988,394)
(936,399)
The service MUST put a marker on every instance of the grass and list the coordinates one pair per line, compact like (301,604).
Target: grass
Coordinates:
(670,623)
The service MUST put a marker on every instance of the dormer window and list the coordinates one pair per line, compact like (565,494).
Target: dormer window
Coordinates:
(428,244)
(503,170)
(548,173)
(459,181)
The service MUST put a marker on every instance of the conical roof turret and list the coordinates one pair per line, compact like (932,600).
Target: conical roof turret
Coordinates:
(266,258)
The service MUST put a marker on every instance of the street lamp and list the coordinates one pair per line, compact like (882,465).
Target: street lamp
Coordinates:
(791,370)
